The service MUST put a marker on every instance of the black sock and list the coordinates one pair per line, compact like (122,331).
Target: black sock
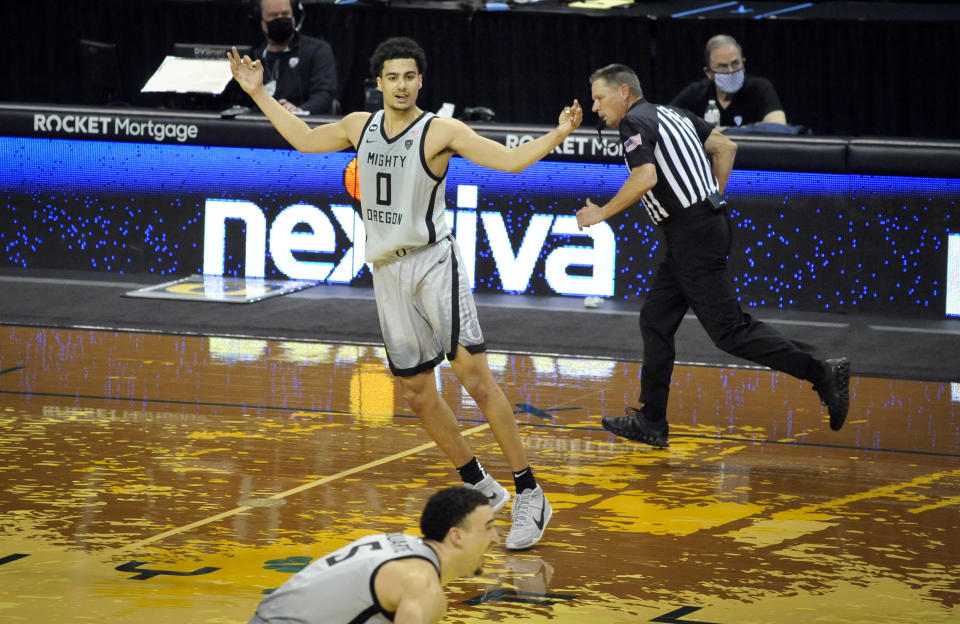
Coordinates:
(472,472)
(524,480)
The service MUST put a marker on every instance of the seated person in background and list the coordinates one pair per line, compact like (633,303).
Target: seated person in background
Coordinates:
(741,98)
(299,71)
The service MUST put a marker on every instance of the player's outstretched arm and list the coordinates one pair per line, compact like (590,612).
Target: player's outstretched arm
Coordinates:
(460,138)
(642,178)
(331,137)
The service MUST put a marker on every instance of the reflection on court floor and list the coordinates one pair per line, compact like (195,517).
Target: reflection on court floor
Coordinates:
(158,478)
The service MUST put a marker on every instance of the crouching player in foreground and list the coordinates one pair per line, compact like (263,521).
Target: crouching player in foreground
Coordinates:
(391,577)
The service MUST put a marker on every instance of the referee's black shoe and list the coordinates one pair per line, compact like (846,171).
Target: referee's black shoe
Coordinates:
(639,427)
(834,390)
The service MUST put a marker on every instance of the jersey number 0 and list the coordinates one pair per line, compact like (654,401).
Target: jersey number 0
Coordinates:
(383,189)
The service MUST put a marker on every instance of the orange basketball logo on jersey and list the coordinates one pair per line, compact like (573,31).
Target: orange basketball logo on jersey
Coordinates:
(351,181)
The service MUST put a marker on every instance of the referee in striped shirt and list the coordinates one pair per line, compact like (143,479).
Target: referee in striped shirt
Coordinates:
(679,166)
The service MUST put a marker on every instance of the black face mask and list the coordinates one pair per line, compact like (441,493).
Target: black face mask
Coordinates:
(280,29)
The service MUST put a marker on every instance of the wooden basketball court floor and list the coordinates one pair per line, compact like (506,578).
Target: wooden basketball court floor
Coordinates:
(159,478)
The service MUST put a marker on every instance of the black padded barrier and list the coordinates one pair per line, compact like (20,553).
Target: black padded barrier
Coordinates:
(886,156)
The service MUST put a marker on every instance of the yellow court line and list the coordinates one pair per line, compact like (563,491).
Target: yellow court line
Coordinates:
(296,490)
(943,503)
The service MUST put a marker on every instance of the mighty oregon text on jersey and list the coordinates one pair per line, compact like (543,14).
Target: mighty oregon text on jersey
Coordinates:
(402,201)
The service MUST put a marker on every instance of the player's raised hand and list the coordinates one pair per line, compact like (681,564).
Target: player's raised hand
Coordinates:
(247,73)
(570,117)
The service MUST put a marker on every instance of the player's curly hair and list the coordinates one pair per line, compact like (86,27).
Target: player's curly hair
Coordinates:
(447,508)
(395,48)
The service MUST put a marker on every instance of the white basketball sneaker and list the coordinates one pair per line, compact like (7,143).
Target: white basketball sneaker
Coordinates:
(531,512)
(498,495)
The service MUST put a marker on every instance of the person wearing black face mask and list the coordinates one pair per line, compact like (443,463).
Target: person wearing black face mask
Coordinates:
(742,99)
(299,71)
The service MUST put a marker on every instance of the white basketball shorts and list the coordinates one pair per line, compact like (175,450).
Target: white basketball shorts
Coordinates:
(426,308)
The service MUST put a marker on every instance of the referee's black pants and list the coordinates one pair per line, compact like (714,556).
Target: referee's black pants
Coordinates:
(693,274)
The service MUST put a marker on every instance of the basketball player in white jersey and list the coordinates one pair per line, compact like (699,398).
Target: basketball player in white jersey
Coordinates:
(390,577)
(424,302)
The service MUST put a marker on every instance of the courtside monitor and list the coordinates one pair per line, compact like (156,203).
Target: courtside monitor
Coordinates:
(100,68)
(207,50)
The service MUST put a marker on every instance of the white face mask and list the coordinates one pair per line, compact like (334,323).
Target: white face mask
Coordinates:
(729,83)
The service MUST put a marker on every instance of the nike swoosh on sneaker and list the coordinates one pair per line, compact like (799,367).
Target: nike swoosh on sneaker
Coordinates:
(492,496)
(540,523)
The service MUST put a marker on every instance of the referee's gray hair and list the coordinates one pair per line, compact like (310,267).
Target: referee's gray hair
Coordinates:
(617,74)
(715,42)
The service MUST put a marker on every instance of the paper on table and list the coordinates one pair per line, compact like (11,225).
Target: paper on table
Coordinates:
(185,75)
(599,4)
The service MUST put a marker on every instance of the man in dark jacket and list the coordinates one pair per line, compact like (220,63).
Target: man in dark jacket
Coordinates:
(299,71)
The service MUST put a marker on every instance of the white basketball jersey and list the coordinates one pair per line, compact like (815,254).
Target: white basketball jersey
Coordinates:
(338,588)
(401,200)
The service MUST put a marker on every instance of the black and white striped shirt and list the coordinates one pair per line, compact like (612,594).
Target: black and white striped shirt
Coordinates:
(672,139)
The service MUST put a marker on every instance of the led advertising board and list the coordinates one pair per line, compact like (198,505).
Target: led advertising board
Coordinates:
(805,241)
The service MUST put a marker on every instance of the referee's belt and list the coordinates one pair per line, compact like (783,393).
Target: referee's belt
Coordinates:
(713,203)
(705,207)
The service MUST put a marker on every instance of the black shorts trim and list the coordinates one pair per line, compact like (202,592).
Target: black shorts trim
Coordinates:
(472,349)
(454,304)
(477,348)
(416,370)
